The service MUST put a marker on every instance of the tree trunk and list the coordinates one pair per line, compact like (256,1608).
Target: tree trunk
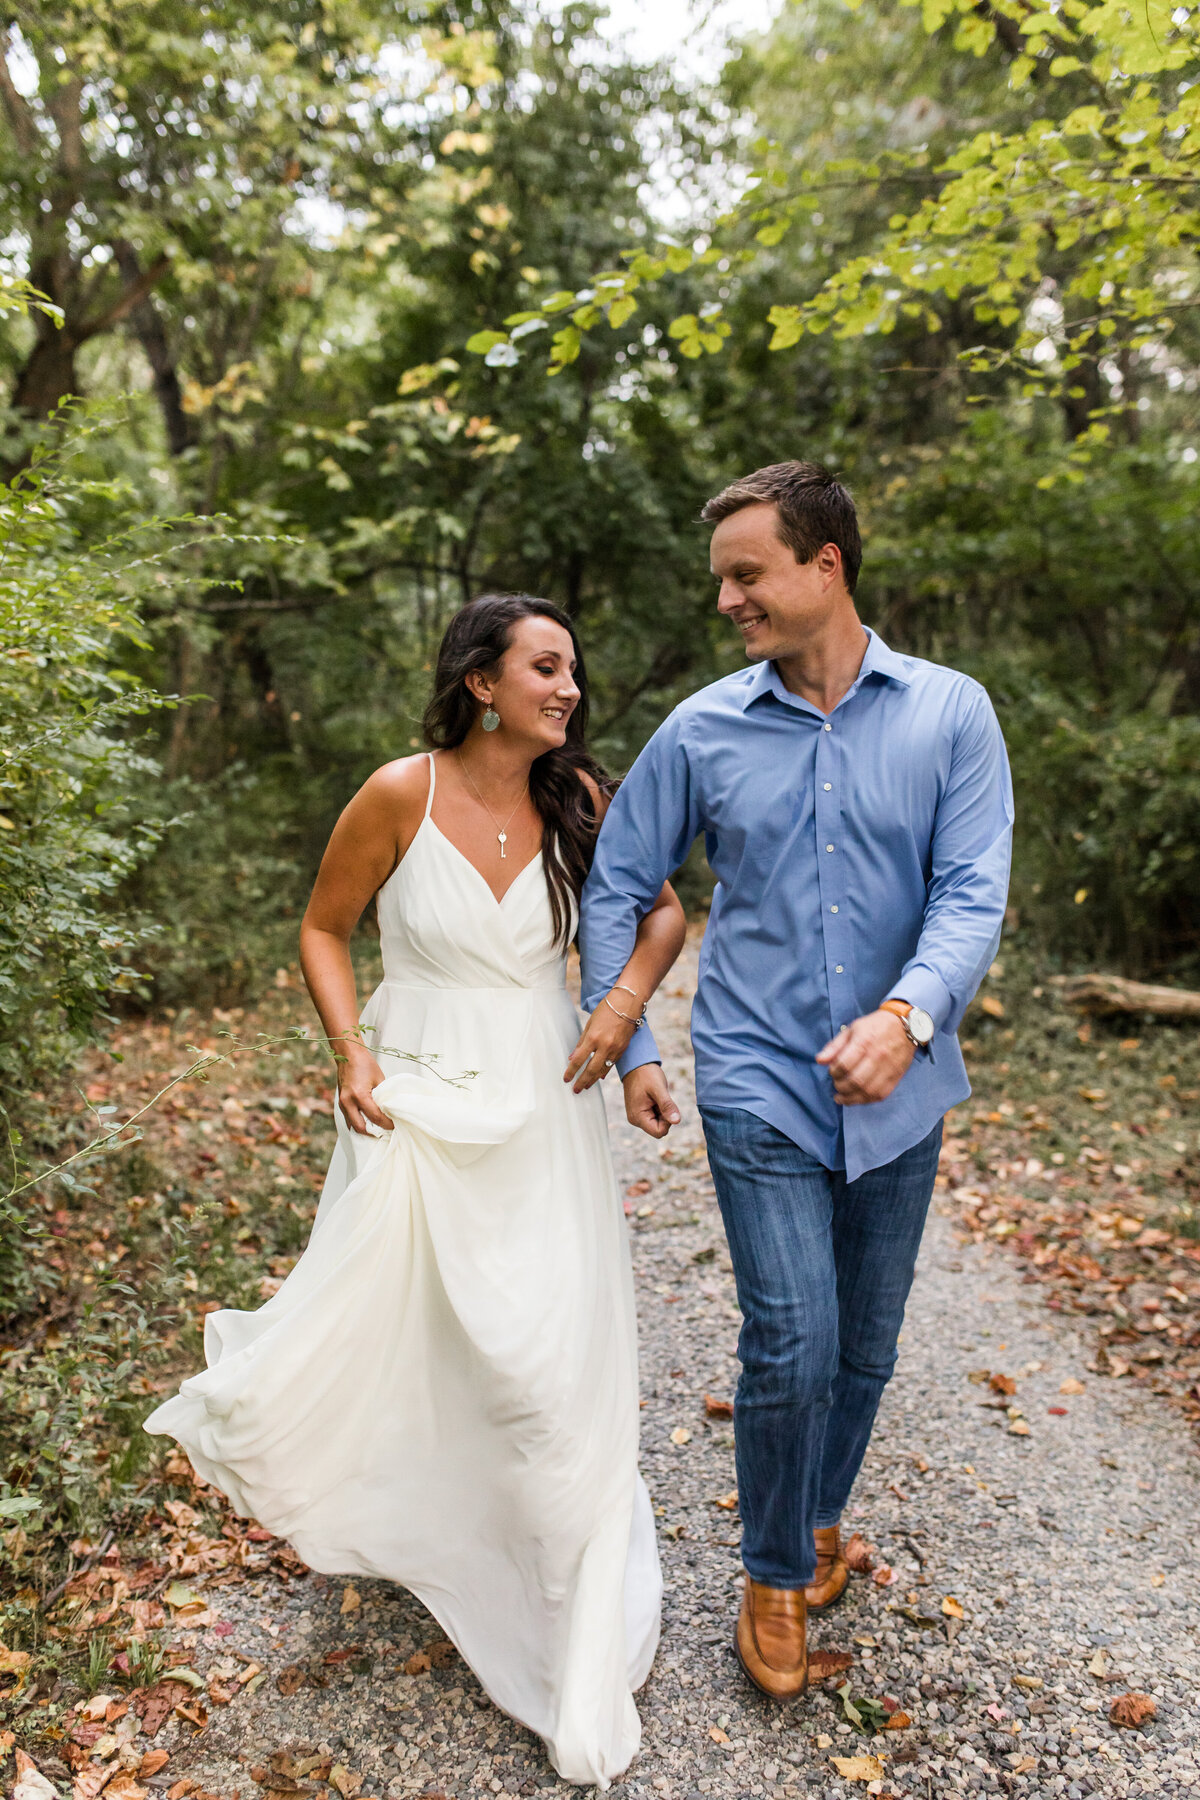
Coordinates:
(151,334)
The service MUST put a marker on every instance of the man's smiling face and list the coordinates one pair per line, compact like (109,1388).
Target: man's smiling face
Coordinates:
(776,602)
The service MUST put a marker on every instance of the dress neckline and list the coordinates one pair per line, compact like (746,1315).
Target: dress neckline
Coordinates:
(498,899)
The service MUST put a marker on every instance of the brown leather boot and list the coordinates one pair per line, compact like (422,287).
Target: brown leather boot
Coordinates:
(832,1572)
(771,1639)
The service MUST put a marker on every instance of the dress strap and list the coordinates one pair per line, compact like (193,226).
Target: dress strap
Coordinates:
(432,785)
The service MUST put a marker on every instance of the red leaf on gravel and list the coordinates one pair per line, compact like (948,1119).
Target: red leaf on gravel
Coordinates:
(860,1557)
(1132,1710)
(823,1663)
(1002,1384)
(637,1189)
(155,1705)
(717,1409)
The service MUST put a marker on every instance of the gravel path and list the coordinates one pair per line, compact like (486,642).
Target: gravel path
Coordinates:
(1071,1538)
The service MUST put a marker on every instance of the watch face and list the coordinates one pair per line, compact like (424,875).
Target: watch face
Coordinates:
(920,1025)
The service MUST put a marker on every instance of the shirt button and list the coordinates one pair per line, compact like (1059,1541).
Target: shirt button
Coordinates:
(829,846)
(828,786)
(839,970)
(833,909)
(829,727)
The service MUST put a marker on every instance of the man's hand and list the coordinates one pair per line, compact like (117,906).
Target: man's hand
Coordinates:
(648,1102)
(867,1058)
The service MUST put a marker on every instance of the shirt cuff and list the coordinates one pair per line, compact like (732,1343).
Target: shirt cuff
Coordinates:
(642,1049)
(920,986)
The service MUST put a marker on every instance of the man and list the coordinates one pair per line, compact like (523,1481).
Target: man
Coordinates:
(857,812)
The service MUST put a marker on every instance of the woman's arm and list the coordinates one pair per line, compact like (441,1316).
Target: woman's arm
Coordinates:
(366,843)
(660,937)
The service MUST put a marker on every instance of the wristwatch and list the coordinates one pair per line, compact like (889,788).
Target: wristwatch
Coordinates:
(918,1025)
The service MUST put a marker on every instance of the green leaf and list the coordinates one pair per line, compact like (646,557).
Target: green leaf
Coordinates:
(482,341)
(621,309)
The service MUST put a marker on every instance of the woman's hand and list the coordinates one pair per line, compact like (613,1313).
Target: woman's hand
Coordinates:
(605,1037)
(358,1073)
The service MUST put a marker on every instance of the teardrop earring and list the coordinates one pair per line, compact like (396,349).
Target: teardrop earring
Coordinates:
(491,719)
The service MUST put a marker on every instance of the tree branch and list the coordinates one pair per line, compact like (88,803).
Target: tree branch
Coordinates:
(134,294)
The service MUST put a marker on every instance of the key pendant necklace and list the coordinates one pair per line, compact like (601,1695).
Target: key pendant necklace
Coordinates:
(501,830)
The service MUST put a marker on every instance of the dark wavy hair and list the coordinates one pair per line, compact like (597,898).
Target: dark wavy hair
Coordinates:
(476,640)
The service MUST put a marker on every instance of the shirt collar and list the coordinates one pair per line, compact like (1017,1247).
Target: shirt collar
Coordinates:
(879,660)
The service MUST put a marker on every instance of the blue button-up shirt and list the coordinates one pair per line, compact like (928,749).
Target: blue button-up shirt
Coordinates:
(859,856)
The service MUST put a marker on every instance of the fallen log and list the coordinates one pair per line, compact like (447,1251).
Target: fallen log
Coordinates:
(1100,994)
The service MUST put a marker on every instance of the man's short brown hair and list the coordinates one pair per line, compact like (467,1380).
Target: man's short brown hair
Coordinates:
(813,506)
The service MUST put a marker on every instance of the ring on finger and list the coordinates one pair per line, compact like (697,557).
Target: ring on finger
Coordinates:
(608,1065)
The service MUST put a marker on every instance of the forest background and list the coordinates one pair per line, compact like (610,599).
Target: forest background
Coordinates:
(369,307)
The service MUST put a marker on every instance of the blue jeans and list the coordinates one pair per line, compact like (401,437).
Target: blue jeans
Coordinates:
(823,1268)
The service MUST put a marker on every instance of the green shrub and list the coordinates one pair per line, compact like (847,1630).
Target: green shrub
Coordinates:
(72,826)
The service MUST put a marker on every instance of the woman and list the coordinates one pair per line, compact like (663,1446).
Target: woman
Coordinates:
(444,1391)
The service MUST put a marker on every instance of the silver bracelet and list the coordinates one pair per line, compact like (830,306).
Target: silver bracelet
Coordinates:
(628,1017)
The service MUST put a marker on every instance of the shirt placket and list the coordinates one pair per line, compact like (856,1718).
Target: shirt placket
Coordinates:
(831,873)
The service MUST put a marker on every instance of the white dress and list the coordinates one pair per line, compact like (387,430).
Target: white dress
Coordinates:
(443,1393)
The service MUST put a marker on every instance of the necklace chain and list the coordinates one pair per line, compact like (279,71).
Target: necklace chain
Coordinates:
(501,830)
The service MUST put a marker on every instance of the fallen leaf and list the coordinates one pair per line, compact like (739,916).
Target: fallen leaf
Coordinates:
(1099,1666)
(979,1377)
(885,1577)
(152,1762)
(346,1781)
(1057,1412)
(351,1599)
(717,1735)
(1158,1579)
(88,1782)
(1002,1384)
(993,1008)
(858,1768)
(13,1661)
(195,1714)
(727,1502)
(218,1692)
(953,1608)
(180,1789)
(155,1705)
(897,1721)
(290,1680)
(637,1189)
(823,1663)
(860,1558)
(1031,1683)
(1131,1710)
(1025,1766)
(441,1653)
(418,1664)
(125,1786)
(184,1600)
(717,1409)
(1071,1386)
(1019,1428)
(248,1673)
(681,1435)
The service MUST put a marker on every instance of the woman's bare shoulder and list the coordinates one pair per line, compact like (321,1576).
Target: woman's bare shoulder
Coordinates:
(407,775)
(395,791)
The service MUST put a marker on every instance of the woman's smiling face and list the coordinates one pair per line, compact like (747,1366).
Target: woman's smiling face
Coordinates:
(534,689)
